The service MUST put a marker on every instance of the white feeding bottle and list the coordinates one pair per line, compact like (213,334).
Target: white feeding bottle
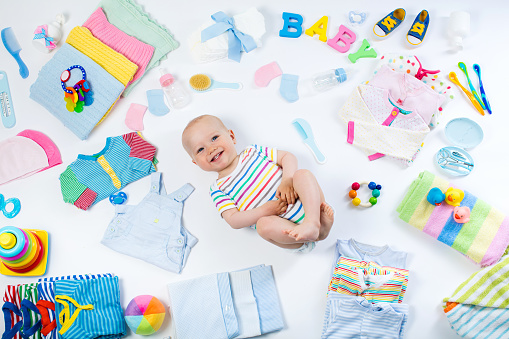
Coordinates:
(324,81)
(175,93)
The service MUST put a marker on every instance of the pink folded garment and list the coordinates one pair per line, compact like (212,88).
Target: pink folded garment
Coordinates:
(25,154)
(136,51)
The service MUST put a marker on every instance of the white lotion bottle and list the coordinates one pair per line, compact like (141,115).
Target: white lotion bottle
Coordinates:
(458,28)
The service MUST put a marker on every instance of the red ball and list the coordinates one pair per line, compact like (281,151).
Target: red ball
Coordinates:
(356,186)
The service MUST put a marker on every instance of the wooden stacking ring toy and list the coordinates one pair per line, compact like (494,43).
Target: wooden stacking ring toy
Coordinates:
(375,192)
(23,251)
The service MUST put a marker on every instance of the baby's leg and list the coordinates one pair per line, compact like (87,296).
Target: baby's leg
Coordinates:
(326,220)
(272,228)
(311,197)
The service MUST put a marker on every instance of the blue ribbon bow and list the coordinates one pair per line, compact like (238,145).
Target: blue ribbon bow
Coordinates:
(43,35)
(237,41)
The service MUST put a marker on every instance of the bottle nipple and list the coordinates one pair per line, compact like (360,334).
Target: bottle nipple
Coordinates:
(166,78)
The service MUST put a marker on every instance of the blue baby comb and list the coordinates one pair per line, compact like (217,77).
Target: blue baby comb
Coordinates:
(12,46)
(477,70)
(302,126)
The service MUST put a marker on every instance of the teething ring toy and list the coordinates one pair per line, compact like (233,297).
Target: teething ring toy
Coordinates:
(75,97)
(352,15)
(15,209)
(375,193)
(66,75)
(17,248)
(118,198)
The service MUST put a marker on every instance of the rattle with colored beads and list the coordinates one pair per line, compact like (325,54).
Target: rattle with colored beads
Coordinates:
(375,193)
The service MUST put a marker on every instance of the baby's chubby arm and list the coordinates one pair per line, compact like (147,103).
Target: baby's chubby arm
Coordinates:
(240,219)
(288,163)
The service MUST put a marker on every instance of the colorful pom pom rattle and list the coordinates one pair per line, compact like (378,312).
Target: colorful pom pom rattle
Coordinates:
(145,314)
(375,193)
(80,94)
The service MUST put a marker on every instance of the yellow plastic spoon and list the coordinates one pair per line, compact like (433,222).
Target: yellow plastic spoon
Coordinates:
(454,79)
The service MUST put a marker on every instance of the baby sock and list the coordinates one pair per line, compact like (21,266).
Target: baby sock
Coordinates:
(265,74)
(156,105)
(134,117)
(288,87)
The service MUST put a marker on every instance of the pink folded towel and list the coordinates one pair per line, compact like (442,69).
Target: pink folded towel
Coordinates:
(133,49)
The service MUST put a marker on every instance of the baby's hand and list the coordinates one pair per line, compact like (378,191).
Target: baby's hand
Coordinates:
(275,207)
(285,191)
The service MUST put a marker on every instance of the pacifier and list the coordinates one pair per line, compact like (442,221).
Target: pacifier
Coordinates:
(357,17)
(118,198)
(46,37)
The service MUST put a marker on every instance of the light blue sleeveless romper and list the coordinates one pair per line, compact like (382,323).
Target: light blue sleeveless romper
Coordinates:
(152,230)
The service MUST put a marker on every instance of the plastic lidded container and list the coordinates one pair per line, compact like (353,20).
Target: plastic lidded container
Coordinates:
(176,94)
(464,133)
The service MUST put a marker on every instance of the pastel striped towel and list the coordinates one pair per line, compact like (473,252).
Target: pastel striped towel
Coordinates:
(483,239)
(479,308)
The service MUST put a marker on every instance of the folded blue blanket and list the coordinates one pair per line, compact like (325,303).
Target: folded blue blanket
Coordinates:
(47,90)
(241,304)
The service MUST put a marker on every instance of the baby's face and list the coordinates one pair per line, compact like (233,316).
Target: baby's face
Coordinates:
(210,145)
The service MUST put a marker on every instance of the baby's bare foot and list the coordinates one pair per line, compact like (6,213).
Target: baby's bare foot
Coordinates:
(306,231)
(326,220)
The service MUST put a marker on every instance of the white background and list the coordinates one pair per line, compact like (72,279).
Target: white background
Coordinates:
(262,116)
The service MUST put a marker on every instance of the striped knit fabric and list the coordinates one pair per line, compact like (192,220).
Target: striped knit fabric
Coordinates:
(368,279)
(136,51)
(92,178)
(483,239)
(11,295)
(29,292)
(479,308)
(48,92)
(114,63)
(104,318)
(253,183)
(130,18)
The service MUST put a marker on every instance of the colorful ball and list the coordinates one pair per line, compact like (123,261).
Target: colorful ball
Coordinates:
(375,193)
(372,185)
(145,314)
(379,187)
(356,202)
(356,186)
(352,194)
(372,201)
